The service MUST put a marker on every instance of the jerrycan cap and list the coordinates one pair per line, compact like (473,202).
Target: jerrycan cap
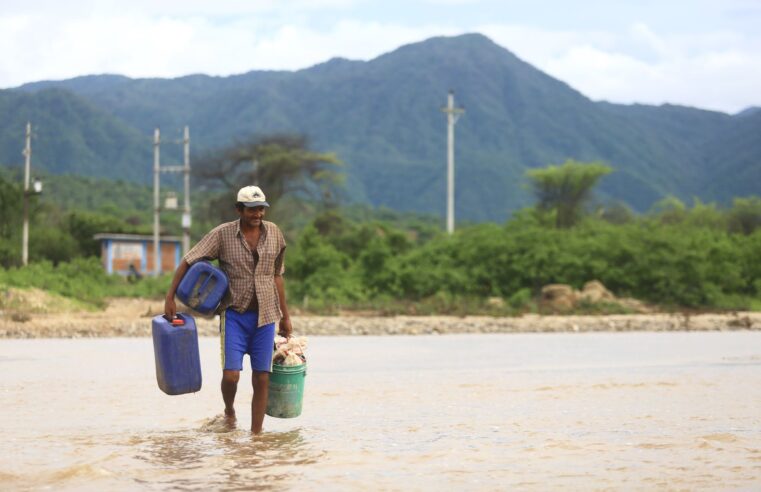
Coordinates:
(178,322)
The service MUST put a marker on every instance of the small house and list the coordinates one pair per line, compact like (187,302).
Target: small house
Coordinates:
(119,252)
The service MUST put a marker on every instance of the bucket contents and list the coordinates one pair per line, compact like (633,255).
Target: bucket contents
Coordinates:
(289,351)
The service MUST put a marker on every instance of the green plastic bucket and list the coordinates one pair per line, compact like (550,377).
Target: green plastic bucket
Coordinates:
(286,391)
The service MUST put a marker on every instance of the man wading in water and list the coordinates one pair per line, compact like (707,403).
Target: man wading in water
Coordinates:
(251,251)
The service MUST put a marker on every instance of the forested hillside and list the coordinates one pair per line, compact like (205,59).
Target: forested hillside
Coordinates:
(71,135)
(382,117)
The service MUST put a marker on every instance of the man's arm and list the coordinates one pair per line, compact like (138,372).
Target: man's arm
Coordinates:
(170,308)
(285,328)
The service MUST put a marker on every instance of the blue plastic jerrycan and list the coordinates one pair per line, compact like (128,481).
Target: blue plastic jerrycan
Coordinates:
(175,348)
(203,287)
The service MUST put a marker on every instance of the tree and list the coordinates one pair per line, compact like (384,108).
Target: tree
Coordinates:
(745,215)
(616,213)
(11,219)
(669,210)
(82,225)
(565,189)
(282,165)
(11,208)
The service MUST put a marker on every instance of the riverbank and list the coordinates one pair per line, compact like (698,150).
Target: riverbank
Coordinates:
(132,318)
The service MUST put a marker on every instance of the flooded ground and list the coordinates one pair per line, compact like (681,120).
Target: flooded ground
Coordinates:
(465,412)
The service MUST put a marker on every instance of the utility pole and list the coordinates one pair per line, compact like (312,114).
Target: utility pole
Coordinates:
(27,172)
(156,202)
(453,114)
(186,210)
(186,216)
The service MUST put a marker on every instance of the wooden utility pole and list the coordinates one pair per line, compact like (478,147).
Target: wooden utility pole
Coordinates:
(156,202)
(186,211)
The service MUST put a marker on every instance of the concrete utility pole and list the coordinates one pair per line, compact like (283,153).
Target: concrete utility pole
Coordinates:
(27,171)
(453,114)
(186,216)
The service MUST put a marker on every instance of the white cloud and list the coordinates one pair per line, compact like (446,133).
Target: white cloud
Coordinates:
(716,68)
(451,2)
(535,45)
(140,46)
(174,8)
(294,47)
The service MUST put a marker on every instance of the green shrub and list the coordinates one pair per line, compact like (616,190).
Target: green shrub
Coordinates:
(521,298)
(689,258)
(316,271)
(83,279)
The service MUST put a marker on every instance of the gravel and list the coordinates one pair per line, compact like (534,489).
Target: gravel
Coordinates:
(132,318)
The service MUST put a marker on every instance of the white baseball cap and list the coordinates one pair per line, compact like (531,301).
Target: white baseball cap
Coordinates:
(252,196)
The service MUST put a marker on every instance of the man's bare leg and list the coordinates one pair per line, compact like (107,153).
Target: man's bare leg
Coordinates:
(261,383)
(229,388)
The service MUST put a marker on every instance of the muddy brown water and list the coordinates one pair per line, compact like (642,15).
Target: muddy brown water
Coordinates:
(454,412)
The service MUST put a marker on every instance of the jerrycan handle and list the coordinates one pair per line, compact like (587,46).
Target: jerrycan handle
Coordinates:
(205,283)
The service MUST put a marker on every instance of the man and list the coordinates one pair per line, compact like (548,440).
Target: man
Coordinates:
(251,251)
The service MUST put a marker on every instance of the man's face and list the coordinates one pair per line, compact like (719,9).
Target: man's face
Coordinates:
(252,216)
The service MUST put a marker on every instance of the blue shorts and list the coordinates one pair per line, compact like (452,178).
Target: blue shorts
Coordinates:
(239,335)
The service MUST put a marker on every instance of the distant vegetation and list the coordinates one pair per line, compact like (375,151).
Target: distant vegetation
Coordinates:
(696,257)
(72,209)
(282,165)
(83,279)
(565,190)
(700,256)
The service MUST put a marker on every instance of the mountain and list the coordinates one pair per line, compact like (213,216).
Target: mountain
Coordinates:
(383,119)
(748,111)
(69,135)
(733,159)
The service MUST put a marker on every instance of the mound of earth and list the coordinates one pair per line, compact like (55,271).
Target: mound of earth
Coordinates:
(563,298)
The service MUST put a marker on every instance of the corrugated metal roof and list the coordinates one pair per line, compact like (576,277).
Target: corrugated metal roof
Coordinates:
(136,237)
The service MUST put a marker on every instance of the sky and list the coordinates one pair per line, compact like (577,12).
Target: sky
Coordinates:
(699,53)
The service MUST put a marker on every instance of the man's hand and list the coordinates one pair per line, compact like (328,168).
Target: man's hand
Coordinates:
(285,328)
(170,308)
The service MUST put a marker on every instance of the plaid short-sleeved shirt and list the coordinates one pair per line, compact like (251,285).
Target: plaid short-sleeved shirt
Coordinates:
(246,277)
